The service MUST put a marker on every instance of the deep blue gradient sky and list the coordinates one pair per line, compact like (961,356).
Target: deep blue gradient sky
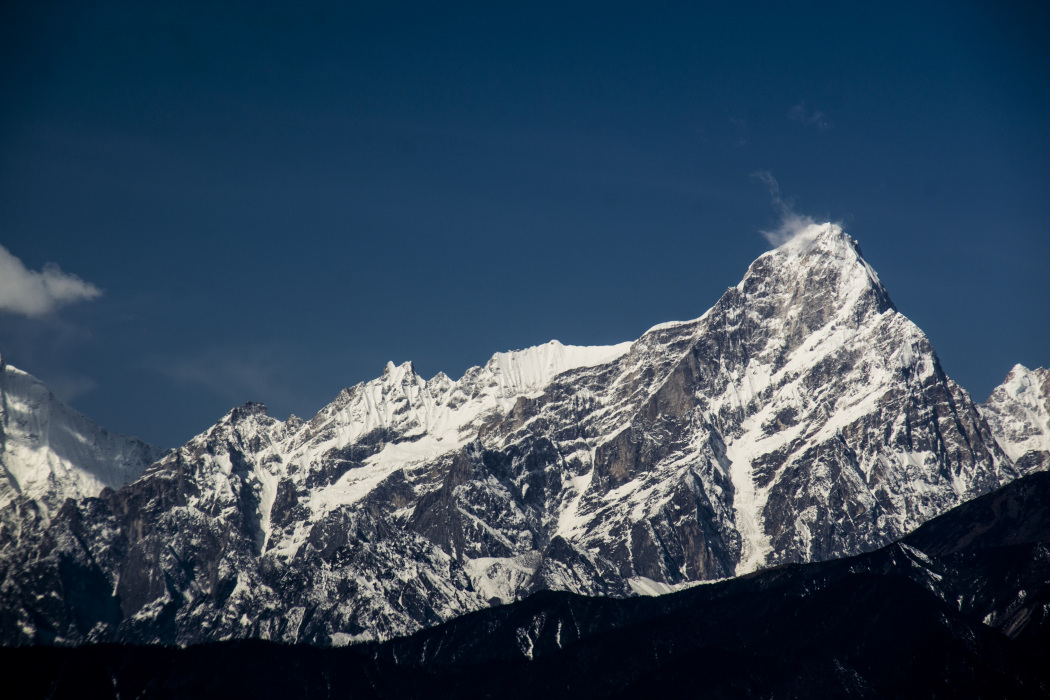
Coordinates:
(276,200)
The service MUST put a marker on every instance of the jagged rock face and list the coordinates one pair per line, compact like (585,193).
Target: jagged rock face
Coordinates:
(1018,412)
(801,418)
(49,452)
(959,608)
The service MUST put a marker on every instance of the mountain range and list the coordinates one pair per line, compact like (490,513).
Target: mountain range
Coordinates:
(801,419)
(959,608)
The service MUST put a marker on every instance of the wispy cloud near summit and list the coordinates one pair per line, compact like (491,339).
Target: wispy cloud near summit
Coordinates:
(30,293)
(791,222)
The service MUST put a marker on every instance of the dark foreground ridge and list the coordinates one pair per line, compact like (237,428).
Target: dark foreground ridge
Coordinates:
(958,608)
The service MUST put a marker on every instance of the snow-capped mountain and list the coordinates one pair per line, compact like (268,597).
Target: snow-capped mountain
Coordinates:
(801,418)
(50,452)
(1018,412)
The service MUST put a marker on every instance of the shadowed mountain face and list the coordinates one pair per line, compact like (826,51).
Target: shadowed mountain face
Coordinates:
(802,418)
(959,608)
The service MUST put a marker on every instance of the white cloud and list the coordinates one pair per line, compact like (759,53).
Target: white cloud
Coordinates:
(791,222)
(33,294)
(808,117)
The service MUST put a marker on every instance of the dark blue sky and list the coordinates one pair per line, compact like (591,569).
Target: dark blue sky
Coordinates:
(276,200)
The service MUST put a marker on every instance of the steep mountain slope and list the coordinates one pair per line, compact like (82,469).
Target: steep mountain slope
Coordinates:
(49,452)
(801,418)
(1018,412)
(960,608)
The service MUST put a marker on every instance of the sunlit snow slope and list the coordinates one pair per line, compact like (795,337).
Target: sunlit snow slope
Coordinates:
(50,452)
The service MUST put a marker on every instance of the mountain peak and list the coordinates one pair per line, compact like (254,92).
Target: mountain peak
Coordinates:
(821,265)
(398,373)
(827,233)
(822,241)
(247,410)
(1022,374)
(1018,411)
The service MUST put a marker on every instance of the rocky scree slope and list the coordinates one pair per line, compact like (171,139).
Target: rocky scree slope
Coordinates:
(802,418)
